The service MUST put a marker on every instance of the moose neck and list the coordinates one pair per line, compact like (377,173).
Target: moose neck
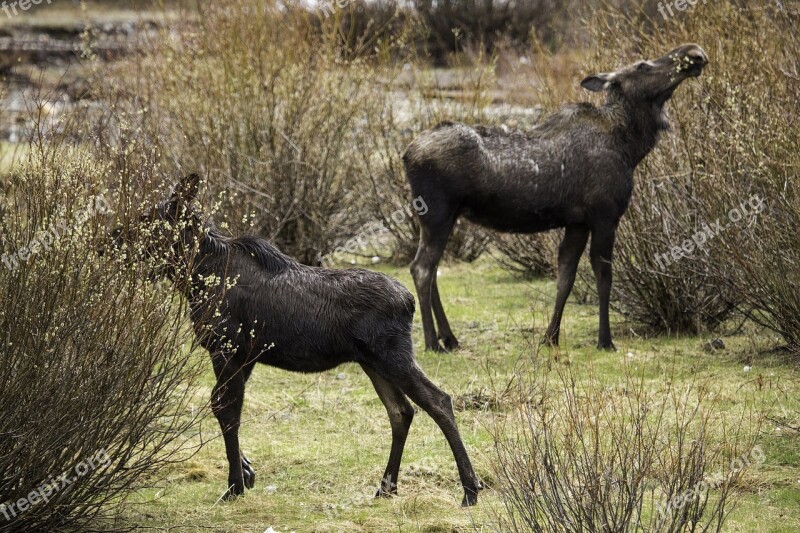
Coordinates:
(637,128)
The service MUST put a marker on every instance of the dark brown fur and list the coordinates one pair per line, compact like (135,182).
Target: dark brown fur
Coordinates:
(574,171)
(252,304)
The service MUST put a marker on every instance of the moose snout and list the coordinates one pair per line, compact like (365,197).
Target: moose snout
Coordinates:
(697,55)
(691,59)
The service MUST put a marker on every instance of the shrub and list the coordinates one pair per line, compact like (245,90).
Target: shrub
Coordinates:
(267,111)
(296,130)
(665,295)
(585,454)
(95,381)
(530,256)
(747,159)
(362,27)
(457,25)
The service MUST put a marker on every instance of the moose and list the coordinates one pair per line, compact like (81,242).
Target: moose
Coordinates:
(249,303)
(573,171)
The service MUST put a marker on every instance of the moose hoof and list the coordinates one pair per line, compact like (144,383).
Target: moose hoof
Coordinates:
(471,494)
(550,342)
(450,343)
(470,498)
(381,493)
(233,492)
(436,347)
(248,473)
(387,489)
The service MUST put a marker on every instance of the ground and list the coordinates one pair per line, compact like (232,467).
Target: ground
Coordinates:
(319,443)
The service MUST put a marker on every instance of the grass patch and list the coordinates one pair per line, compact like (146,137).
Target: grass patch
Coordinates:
(319,443)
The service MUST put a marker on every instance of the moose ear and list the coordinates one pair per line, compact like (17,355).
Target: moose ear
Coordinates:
(186,189)
(597,82)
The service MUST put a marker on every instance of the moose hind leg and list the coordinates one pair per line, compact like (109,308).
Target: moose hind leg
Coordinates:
(439,406)
(432,242)
(445,333)
(402,370)
(401,413)
(569,254)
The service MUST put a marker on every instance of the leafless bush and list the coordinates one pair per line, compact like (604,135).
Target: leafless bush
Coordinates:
(745,145)
(440,29)
(666,295)
(468,242)
(95,382)
(363,28)
(530,256)
(268,110)
(301,139)
(456,25)
(588,454)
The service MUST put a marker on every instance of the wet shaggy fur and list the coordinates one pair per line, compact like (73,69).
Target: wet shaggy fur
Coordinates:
(573,171)
(251,304)
(293,316)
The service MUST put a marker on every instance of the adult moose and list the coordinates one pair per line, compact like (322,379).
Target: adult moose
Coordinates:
(252,304)
(573,171)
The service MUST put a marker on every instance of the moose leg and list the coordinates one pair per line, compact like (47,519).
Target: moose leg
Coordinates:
(398,366)
(439,406)
(248,473)
(600,253)
(432,242)
(569,254)
(401,413)
(226,403)
(445,333)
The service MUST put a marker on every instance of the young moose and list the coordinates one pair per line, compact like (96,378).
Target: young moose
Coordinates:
(250,303)
(573,171)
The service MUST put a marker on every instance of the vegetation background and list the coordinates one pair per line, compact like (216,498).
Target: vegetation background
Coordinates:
(297,116)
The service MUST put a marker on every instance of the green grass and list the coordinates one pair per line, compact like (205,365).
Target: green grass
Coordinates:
(319,443)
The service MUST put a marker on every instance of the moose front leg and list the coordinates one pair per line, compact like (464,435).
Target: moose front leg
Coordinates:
(600,253)
(569,255)
(226,403)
